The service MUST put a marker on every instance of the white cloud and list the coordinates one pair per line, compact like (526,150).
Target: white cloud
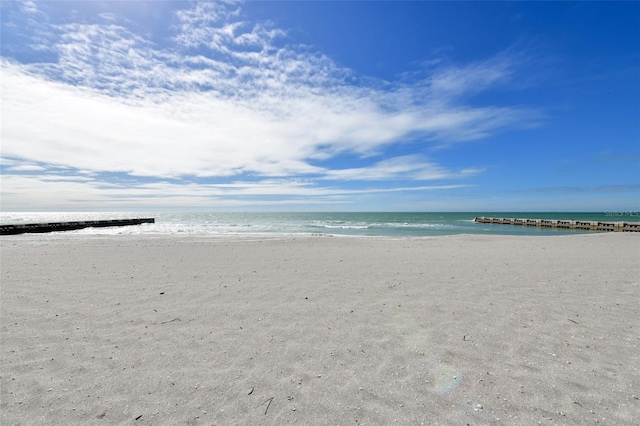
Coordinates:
(29,7)
(228,100)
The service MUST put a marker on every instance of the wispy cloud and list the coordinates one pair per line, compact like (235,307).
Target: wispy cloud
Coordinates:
(408,167)
(602,189)
(227,98)
(27,168)
(473,78)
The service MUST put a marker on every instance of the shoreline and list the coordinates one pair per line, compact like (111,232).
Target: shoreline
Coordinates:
(455,329)
(246,236)
(361,224)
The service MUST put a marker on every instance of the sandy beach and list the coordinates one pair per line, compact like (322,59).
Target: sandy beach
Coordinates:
(452,330)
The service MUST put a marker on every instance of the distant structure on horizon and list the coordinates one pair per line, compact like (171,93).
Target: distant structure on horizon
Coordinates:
(564,224)
(40,228)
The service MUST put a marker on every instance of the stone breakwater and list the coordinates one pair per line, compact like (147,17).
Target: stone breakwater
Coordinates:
(565,224)
(68,226)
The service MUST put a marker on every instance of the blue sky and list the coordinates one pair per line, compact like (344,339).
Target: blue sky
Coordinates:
(320,106)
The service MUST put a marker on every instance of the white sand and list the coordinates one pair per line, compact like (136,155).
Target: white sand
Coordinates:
(449,330)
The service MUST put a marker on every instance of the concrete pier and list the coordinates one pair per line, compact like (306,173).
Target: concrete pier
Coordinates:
(68,226)
(565,224)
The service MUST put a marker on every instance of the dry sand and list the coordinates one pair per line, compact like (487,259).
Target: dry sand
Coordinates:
(449,330)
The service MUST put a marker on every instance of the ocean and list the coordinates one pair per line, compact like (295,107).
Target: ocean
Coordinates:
(335,224)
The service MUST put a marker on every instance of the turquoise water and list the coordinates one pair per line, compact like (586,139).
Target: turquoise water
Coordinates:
(347,224)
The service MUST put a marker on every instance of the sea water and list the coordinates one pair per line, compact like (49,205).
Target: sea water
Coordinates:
(335,224)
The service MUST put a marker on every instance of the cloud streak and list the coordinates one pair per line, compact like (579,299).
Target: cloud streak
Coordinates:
(58,191)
